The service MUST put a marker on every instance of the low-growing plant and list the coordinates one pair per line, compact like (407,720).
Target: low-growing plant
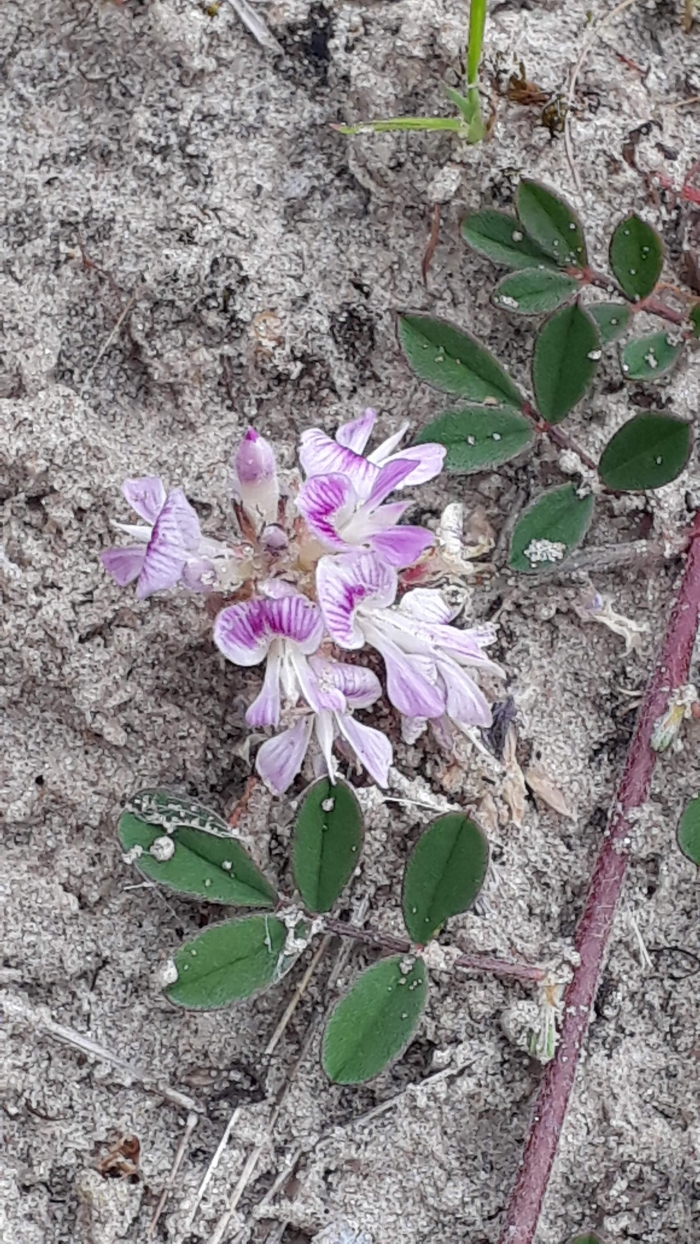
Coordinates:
(545,247)
(469,123)
(179,843)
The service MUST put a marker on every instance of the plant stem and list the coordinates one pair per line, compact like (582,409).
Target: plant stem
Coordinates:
(475,39)
(653,306)
(470,962)
(593,933)
(558,437)
(454,124)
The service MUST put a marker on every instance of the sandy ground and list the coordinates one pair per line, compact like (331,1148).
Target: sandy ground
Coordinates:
(188,247)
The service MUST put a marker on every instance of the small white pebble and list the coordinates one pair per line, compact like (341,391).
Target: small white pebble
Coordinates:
(594,355)
(496,436)
(328,804)
(517,236)
(133,854)
(167,974)
(226,865)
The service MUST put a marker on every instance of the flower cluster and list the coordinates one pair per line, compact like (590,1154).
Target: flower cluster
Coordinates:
(317,574)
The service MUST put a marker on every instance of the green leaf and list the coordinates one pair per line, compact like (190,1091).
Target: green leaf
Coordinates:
(444,874)
(566,355)
(229,961)
(694,317)
(373,1024)
(588,1237)
(500,237)
(454,362)
(636,256)
(649,357)
(183,845)
(612,319)
(388,126)
(689,831)
(534,290)
(479,436)
(551,223)
(327,843)
(550,528)
(647,452)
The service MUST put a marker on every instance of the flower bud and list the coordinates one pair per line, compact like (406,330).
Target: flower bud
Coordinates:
(255,478)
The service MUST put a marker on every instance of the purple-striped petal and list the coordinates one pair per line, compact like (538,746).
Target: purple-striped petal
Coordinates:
(320,455)
(355,435)
(428,605)
(371,747)
(175,532)
(389,515)
(241,633)
(427,463)
(265,709)
(296,618)
(327,502)
(401,546)
(465,703)
(411,679)
(279,760)
(359,686)
(320,694)
(146,496)
(345,582)
(391,476)
(124,565)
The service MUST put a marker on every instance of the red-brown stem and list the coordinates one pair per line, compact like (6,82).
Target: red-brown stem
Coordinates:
(593,932)
(526,972)
(653,306)
(558,437)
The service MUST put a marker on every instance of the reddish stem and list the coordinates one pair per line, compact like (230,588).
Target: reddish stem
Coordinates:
(670,672)
(556,435)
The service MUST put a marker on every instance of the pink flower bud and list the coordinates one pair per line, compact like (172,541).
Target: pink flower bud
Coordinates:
(255,478)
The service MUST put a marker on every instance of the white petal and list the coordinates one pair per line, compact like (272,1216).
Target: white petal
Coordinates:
(371,747)
(279,760)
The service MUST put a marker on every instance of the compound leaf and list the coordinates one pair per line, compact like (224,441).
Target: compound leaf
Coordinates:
(500,237)
(444,874)
(551,223)
(534,291)
(181,844)
(479,436)
(327,842)
(689,831)
(636,256)
(372,1025)
(648,357)
(612,319)
(454,362)
(228,961)
(566,355)
(647,452)
(550,528)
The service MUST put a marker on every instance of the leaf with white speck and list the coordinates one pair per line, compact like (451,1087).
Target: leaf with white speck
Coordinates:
(501,238)
(649,357)
(181,844)
(372,1025)
(636,256)
(552,525)
(648,451)
(455,362)
(689,831)
(229,961)
(327,843)
(478,436)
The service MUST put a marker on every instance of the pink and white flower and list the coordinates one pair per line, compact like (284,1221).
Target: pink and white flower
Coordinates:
(342,499)
(285,632)
(170,549)
(426,658)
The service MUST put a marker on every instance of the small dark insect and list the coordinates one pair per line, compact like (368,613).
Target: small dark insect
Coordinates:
(121,1160)
(502,715)
(554,115)
(520,91)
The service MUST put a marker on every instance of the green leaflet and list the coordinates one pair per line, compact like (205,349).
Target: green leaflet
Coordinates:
(636,256)
(612,319)
(566,356)
(374,1022)
(689,831)
(534,291)
(327,843)
(444,874)
(550,527)
(647,452)
(183,845)
(229,961)
(501,238)
(454,362)
(479,436)
(552,224)
(649,357)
